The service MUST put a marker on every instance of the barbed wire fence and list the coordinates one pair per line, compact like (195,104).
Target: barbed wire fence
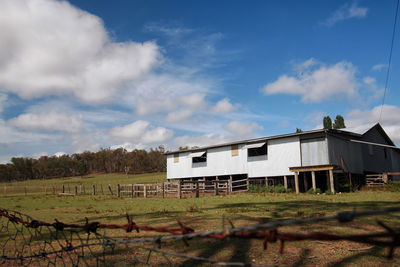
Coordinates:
(25,241)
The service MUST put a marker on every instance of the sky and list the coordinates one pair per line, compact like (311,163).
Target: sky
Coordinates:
(86,75)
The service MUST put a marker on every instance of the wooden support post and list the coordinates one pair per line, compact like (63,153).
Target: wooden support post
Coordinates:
(63,189)
(305,181)
(145,191)
(94,190)
(80,189)
(179,190)
(197,189)
(247,182)
(285,182)
(332,182)
(163,189)
(230,183)
(110,189)
(76,190)
(118,190)
(132,190)
(266,181)
(296,182)
(314,183)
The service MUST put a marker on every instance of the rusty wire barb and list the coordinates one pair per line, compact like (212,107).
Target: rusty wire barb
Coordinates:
(25,241)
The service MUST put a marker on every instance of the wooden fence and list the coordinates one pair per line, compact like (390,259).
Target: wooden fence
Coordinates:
(179,189)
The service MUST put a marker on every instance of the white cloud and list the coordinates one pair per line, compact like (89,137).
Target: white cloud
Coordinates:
(379,67)
(10,134)
(3,101)
(193,101)
(243,129)
(390,120)
(39,154)
(318,83)
(51,47)
(46,122)
(224,106)
(141,132)
(202,140)
(346,12)
(178,116)
(59,154)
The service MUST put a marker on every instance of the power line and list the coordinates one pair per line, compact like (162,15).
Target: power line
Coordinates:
(390,60)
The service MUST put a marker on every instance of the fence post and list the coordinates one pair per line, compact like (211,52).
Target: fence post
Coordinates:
(179,190)
(94,190)
(227,187)
(80,189)
(69,189)
(145,191)
(216,188)
(109,189)
(163,190)
(118,190)
(198,189)
(132,190)
(101,186)
(247,183)
(76,190)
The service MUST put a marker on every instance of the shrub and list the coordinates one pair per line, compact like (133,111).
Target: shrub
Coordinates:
(328,192)
(279,189)
(312,191)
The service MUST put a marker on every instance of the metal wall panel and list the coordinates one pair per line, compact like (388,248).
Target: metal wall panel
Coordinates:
(282,154)
(314,152)
(351,153)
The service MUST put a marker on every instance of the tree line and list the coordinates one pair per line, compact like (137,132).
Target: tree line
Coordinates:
(103,161)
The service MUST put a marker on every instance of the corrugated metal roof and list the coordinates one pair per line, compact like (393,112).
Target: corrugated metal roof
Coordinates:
(257,140)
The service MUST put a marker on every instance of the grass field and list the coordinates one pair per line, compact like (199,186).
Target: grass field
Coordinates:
(206,214)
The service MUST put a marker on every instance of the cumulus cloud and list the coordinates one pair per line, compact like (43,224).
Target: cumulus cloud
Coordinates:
(317,82)
(52,47)
(390,120)
(243,129)
(345,12)
(224,106)
(140,132)
(46,122)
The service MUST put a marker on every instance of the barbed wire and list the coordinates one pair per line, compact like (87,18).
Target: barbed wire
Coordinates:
(75,244)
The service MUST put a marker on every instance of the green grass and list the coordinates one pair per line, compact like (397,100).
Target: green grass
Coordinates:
(38,187)
(205,213)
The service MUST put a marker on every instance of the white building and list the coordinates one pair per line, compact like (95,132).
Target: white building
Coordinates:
(325,159)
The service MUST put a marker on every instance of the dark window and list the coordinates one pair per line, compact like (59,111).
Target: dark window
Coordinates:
(257,151)
(202,158)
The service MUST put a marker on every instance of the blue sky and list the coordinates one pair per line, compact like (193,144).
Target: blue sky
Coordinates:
(85,75)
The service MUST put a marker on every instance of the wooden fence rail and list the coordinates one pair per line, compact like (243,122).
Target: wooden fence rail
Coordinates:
(178,189)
